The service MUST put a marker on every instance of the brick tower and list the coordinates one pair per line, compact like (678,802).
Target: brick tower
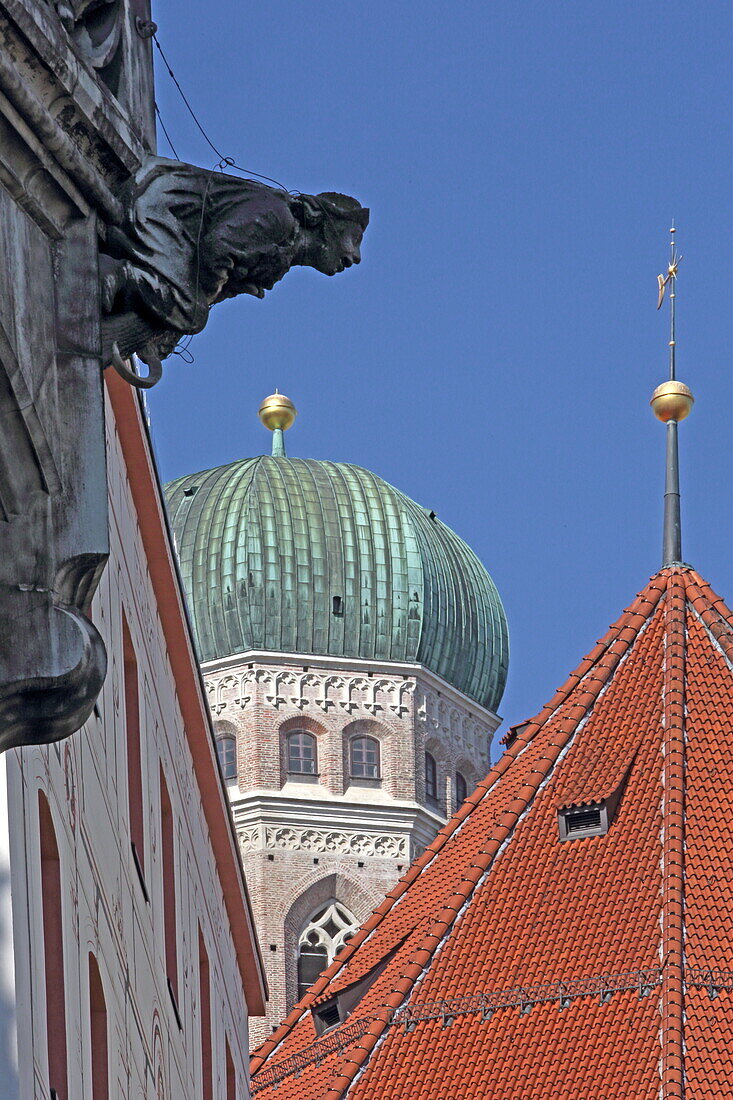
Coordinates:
(355,651)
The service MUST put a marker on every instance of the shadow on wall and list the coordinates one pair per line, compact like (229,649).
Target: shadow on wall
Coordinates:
(9,1083)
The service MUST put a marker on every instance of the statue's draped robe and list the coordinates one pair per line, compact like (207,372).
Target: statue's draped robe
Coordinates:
(197,236)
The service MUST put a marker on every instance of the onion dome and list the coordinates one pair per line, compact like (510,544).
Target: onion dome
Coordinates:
(325,558)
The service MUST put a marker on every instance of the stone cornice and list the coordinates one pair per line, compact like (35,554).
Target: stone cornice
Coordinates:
(345,665)
(335,811)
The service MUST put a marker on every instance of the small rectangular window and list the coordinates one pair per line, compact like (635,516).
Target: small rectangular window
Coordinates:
(582,821)
(364,758)
(301,753)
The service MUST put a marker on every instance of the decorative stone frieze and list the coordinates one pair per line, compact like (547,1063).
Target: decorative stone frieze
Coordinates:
(324,691)
(340,842)
(328,841)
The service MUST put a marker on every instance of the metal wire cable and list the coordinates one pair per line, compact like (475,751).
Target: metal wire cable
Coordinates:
(167,135)
(224,161)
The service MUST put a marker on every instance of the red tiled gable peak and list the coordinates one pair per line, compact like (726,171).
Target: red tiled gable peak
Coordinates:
(526,966)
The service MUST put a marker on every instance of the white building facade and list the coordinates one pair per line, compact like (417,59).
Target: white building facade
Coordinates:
(128,960)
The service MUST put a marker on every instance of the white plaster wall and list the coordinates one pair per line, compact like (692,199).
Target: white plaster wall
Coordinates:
(104,910)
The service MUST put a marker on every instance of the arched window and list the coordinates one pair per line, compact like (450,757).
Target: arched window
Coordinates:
(431,777)
(53,940)
(301,753)
(461,789)
(364,757)
(99,1039)
(226,747)
(324,935)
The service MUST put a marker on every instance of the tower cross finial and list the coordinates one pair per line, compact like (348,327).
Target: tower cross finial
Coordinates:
(671,403)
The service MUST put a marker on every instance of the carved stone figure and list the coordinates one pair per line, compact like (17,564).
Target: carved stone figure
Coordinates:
(193,237)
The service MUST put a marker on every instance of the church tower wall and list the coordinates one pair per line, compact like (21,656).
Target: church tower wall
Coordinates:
(325,836)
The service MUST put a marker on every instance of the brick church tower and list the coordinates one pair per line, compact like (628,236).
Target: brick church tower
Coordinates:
(355,652)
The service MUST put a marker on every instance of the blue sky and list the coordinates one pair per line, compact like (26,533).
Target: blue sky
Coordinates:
(494,354)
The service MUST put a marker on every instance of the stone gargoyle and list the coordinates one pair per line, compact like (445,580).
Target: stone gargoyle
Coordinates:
(193,237)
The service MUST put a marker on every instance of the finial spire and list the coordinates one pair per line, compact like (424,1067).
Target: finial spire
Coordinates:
(671,402)
(277,412)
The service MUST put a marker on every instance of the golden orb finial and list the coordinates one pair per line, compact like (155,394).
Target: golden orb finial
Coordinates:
(277,411)
(672,400)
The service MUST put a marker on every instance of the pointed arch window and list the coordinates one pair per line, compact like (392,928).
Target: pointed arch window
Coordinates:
(301,750)
(364,758)
(323,936)
(431,777)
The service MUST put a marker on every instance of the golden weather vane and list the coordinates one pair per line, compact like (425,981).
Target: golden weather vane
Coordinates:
(674,262)
(662,282)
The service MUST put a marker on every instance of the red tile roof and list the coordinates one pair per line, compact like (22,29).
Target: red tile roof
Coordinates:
(531,966)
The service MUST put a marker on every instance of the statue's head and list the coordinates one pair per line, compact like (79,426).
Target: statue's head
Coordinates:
(333,227)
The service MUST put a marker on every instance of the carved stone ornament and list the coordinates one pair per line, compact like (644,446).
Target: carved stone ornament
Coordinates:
(382,697)
(192,237)
(326,841)
(95,28)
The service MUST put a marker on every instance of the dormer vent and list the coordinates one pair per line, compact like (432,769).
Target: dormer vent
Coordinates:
(513,733)
(592,818)
(326,1016)
(577,822)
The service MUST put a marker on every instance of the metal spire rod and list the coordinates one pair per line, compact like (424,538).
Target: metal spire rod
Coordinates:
(671,402)
(672,533)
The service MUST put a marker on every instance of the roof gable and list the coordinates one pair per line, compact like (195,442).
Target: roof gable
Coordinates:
(498,912)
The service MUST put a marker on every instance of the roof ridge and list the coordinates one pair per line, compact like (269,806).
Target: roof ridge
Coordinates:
(629,624)
(673,840)
(712,610)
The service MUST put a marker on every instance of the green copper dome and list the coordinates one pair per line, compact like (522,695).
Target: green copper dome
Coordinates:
(298,556)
